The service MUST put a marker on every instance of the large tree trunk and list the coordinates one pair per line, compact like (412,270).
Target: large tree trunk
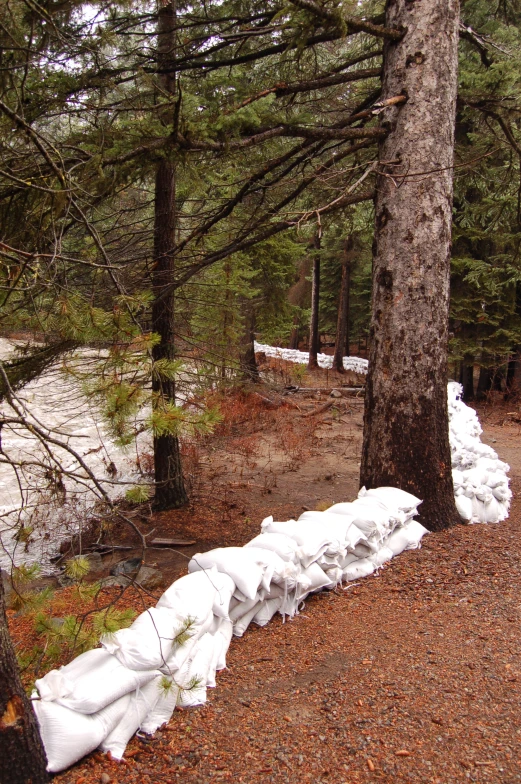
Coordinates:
(170,489)
(314,338)
(22,756)
(342,322)
(406,436)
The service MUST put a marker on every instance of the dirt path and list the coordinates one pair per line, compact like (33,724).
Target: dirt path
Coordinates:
(413,675)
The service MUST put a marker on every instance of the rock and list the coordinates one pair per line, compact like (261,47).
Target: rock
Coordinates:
(95,562)
(129,567)
(335,393)
(115,582)
(105,778)
(149,578)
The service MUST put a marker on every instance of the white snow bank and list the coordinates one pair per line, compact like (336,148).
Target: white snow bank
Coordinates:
(356,364)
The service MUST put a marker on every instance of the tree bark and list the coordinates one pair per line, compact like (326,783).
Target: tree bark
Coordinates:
(314,338)
(294,337)
(342,323)
(406,436)
(484,382)
(248,362)
(466,378)
(22,756)
(170,490)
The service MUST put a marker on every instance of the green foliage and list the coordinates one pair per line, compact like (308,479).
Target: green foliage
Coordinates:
(77,568)
(138,495)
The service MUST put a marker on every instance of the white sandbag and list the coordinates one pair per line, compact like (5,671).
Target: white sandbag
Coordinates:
(358,569)
(283,545)
(199,593)
(349,559)
(162,711)
(225,632)
(140,704)
(502,493)
(339,528)
(241,608)
(267,611)
(491,511)
(314,579)
(68,736)
(392,497)
(335,577)
(195,673)
(312,541)
(276,569)
(244,621)
(382,556)
(478,511)
(464,507)
(183,650)
(407,537)
(373,518)
(147,643)
(91,681)
(245,572)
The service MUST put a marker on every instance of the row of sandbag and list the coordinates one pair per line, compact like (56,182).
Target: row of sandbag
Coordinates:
(481,483)
(356,364)
(170,654)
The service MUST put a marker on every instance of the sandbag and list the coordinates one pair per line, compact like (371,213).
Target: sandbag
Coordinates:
(312,541)
(68,736)
(199,593)
(382,556)
(91,681)
(267,611)
(392,497)
(358,569)
(240,626)
(243,568)
(162,711)
(183,651)
(283,545)
(238,609)
(464,507)
(147,643)
(315,579)
(225,632)
(141,703)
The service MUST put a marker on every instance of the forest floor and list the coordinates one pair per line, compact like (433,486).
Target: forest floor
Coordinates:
(412,675)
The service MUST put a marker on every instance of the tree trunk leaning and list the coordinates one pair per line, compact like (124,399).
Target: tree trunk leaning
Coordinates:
(170,490)
(314,338)
(22,756)
(406,437)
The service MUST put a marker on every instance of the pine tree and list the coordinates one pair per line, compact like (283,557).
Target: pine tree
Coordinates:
(406,436)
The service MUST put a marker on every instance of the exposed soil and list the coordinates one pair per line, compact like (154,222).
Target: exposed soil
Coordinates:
(413,675)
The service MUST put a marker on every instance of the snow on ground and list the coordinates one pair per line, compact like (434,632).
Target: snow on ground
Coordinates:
(356,364)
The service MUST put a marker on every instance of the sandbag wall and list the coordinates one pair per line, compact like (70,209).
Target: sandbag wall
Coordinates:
(481,484)
(170,654)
